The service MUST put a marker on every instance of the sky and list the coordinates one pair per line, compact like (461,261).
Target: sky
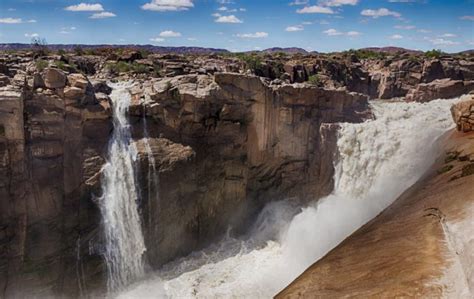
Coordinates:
(242,25)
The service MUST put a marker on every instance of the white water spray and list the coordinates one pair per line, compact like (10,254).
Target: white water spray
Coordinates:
(124,243)
(379,159)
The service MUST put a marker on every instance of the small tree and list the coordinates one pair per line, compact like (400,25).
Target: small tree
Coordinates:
(435,53)
(39,47)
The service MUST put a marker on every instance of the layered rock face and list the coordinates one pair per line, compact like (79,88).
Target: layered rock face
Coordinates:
(252,142)
(222,145)
(463,113)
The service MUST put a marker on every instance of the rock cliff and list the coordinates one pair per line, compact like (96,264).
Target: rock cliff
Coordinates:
(223,145)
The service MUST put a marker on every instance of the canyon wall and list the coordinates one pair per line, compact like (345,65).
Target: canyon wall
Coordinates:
(224,145)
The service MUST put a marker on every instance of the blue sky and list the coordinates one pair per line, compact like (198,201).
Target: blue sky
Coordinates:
(238,25)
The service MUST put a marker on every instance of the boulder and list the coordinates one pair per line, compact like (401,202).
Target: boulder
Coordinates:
(78,80)
(439,89)
(54,78)
(463,113)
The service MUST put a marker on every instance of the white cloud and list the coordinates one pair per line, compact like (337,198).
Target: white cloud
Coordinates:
(253,35)
(170,33)
(423,31)
(157,39)
(192,39)
(168,5)
(307,23)
(332,32)
(102,15)
(299,2)
(31,34)
(85,7)
(407,27)
(315,9)
(227,19)
(294,28)
(402,1)
(442,42)
(353,33)
(10,21)
(31,21)
(396,36)
(449,35)
(324,22)
(381,12)
(337,3)
(467,18)
(222,8)
(242,9)
(335,32)
(64,32)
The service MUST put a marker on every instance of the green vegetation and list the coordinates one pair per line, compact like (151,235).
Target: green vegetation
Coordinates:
(314,79)
(41,64)
(366,54)
(435,53)
(126,67)
(65,67)
(78,51)
(39,46)
(61,52)
(252,61)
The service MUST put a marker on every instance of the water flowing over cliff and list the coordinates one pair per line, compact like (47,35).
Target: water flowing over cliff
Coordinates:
(378,160)
(124,242)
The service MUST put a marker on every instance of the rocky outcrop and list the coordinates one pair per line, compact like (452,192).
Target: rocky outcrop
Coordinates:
(51,144)
(418,247)
(463,113)
(439,89)
(252,142)
(215,147)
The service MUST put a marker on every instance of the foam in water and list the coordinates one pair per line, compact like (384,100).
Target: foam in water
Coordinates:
(124,243)
(379,159)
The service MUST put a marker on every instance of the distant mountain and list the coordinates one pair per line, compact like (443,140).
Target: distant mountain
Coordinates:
(292,50)
(392,50)
(151,48)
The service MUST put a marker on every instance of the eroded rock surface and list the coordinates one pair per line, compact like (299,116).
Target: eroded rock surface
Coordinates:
(463,113)
(223,145)
(421,246)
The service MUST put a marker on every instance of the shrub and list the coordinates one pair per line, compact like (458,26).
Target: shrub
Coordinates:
(39,47)
(253,62)
(78,51)
(140,68)
(65,67)
(366,54)
(41,64)
(125,67)
(433,53)
(314,80)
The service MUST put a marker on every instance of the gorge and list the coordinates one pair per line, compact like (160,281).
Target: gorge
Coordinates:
(209,179)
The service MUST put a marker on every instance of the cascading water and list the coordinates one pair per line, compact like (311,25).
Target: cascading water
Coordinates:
(152,179)
(379,159)
(124,243)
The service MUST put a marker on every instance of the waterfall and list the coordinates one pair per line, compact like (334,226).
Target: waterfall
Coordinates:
(124,243)
(378,160)
(152,177)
